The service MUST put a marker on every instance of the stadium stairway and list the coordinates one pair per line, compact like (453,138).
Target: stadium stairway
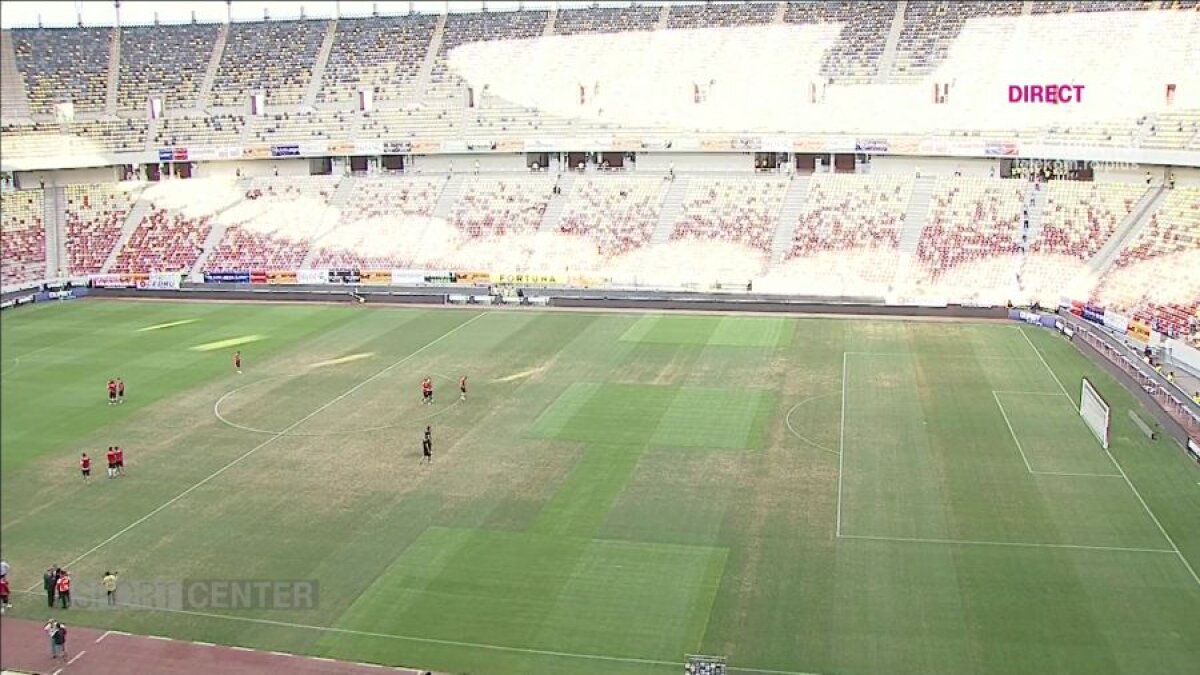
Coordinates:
(217,232)
(1035,202)
(1127,232)
(1027,8)
(435,44)
(551,18)
(13,103)
(789,217)
(331,218)
(318,70)
(140,208)
(114,69)
(915,216)
(453,191)
(780,13)
(664,17)
(54,207)
(672,207)
(888,58)
(558,203)
(214,63)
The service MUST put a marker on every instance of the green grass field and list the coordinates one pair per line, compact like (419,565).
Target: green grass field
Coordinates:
(800,495)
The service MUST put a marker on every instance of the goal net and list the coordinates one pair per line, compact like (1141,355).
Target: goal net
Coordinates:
(1095,412)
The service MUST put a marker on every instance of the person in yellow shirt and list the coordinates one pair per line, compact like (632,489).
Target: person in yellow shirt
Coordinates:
(1196,397)
(110,587)
(1171,377)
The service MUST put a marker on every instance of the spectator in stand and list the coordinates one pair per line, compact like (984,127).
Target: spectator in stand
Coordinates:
(1196,397)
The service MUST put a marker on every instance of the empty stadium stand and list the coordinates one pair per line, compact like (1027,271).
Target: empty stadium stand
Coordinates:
(64,64)
(617,214)
(252,62)
(22,236)
(95,215)
(1157,276)
(163,61)
(379,54)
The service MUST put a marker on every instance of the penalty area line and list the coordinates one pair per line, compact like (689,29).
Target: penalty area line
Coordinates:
(1120,469)
(265,443)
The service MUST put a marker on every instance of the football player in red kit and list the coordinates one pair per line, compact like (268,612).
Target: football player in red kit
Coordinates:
(85,466)
(112,392)
(237,361)
(427,390)
(462,388)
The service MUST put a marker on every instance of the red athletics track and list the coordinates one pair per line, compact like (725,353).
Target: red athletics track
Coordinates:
(25,647)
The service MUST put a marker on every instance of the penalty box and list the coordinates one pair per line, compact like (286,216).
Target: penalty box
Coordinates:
(928,455)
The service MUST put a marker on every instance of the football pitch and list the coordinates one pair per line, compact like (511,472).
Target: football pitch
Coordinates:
(618,491)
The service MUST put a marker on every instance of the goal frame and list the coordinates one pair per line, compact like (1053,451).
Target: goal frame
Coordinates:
(1088,391)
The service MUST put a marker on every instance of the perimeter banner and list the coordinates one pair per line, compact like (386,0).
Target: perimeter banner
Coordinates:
(161,281)
(472,277)
(312,276)
(383,277)
(111,280)
(344,276)
(282,277)
(531,279)
(227,277)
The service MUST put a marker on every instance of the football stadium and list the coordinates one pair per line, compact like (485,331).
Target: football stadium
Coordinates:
(692,338)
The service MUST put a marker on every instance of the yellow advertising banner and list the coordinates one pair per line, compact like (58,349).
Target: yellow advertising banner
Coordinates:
(256,152)
(905,145)
(282,277)
(626,144)
(341,148)
(426,147)
(716,144)
(812,144)
(376,277)
(581,281)
(1139,331)
(473,277)
(510,145)
(531,279)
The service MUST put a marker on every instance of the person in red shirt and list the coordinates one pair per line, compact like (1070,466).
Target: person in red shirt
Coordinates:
(237,361)
(64,589)
(120,390)
(111,456)
(85,466)
(119,456)
(4,594)
(427,390)
(112,392)
(462,388)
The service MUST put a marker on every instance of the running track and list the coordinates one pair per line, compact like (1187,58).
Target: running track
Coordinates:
(94,652)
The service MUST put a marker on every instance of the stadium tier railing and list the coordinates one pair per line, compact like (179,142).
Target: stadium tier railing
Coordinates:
(1122,354)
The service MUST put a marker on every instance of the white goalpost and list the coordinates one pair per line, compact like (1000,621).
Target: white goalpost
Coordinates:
(1095,412)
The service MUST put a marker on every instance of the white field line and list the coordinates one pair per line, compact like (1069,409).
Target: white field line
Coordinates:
(787,419)
(1191,570)
(1072,473)
(1028,393)
(1017,544)
(433,641)
(945,356)
(1011,432)
(267,442)
(76,657)
(841,448)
